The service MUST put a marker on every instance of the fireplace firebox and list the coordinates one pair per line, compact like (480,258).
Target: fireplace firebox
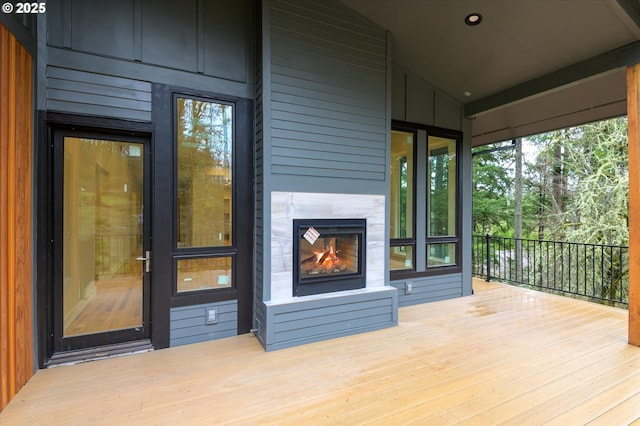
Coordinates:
(328,255)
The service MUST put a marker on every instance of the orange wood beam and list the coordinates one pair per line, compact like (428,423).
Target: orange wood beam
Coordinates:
(16,168)
(633,114)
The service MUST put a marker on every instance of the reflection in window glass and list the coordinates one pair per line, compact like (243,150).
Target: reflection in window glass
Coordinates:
(205,143)
(401,184)
(203,274)
(401,258)
(441,255)
(441,175)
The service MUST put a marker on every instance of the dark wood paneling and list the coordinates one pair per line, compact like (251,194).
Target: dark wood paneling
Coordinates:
(16,321)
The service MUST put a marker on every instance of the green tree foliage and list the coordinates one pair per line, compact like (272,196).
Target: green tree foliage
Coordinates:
(575,190)
(492,190)
(579,182)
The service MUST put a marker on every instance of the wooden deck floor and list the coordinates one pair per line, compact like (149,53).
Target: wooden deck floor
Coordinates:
(504,355)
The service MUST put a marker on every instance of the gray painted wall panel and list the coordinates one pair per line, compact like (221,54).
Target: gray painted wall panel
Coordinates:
(320,119)
(308,321)
(121,41)
(170,34)
(398,95)
(304,318)
(321,172)
(335,141)
(430,289)
(188,325)
(344,322)
(324,77)
(420,99)
(97,110)
(108,91)
(338,113)
(80,92)
(448,114)
(225,41)
(343,18)
(214,40)
(327,101)
(328,83)
(326,146)
(98,79)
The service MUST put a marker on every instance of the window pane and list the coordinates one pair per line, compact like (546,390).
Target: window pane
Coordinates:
(441,176)
(203,274)
(401,184)
(204,138)
(401,258)
(102,226)
(441,254)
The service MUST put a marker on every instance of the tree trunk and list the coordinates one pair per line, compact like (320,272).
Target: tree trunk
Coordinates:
(518,210)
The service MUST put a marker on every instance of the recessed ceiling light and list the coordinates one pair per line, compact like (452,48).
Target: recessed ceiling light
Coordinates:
(473,19)
(466,93)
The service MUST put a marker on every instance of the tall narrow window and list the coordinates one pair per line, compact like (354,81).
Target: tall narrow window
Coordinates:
(205,144)
(424,207)
(441,201)
(204,195)
(402,201)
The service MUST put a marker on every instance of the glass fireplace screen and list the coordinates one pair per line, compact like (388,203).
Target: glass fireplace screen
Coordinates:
(329,255)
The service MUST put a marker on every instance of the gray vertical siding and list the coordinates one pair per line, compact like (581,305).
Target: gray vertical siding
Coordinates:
(188,323)
(328,99)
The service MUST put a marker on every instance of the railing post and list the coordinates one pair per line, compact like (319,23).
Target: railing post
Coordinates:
(488,241)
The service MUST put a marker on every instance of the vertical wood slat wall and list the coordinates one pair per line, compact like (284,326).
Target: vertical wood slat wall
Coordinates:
(16,115)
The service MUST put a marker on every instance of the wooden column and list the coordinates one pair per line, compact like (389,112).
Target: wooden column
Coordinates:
(633,113)
(16,124)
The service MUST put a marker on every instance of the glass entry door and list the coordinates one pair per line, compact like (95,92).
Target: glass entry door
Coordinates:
(102,289)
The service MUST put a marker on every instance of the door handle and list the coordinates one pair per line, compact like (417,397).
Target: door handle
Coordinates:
(147,260)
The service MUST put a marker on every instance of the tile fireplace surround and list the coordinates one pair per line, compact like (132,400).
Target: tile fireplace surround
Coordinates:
(286,206)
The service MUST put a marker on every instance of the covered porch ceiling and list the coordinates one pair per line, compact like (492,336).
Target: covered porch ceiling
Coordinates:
(528,67)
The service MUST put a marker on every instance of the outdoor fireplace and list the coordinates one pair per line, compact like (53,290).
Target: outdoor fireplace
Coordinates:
(328,255)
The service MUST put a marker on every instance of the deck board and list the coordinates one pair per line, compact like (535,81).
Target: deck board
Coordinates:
(504,355)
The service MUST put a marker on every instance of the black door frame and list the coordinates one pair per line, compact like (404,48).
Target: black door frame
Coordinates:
(48,203)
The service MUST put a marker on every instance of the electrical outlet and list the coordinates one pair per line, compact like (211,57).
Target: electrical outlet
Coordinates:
(408,287)
(211,316)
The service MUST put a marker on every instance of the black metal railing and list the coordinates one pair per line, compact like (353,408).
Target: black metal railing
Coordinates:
(116,254)
(595,272)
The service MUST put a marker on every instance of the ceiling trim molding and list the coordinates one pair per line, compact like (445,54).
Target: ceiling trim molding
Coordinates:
(614,59)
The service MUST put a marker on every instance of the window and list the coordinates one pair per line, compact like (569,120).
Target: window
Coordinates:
(204,195)
(425,212)
(402,200)
(442,205)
